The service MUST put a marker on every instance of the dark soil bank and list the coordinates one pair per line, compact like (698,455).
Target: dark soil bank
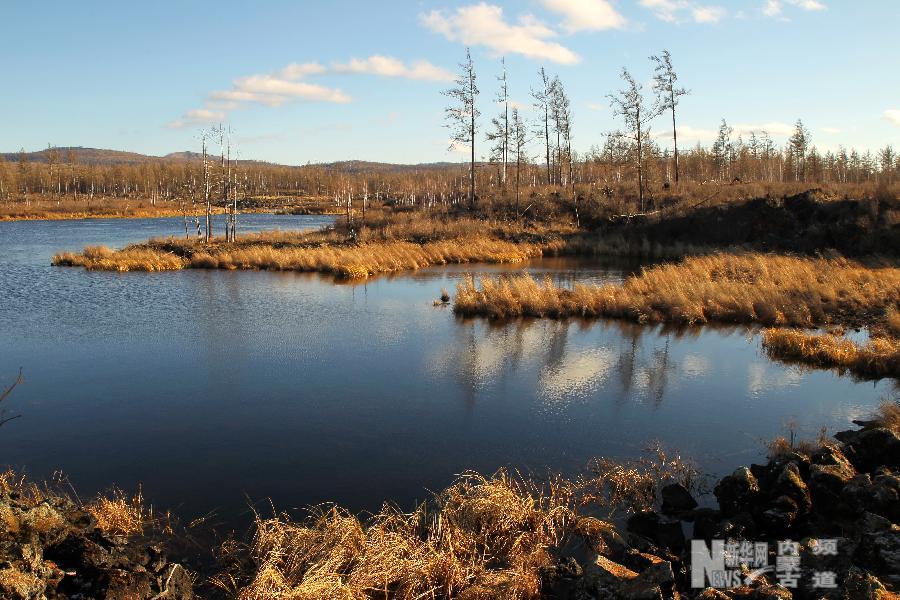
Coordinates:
(804,223)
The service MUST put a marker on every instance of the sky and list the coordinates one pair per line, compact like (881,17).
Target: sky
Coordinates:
(315,81)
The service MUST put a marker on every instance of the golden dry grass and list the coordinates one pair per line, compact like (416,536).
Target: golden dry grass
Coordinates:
(482,537)
(888,415)
(727,288)
(119,514)
(398,244)
(880,357)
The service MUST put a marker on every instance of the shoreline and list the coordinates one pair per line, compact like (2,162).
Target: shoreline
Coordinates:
(620,530)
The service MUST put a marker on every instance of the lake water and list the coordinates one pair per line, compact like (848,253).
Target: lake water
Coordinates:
(214,388)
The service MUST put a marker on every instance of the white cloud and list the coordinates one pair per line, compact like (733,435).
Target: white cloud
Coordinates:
(665,10)
(199,116)
(597,107)
(387,66)
(708,14)
(274,90)
(773,8)
(688,133)
(893,115)
(289,84)
(671,11)
(483,25)
(586,15)
(807,4)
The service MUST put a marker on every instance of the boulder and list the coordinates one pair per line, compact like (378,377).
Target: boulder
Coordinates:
(870,448)
(737,492)
(676,499)
(664,532)
(791,484)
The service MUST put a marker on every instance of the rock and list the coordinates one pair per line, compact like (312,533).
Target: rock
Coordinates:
(738,492)
(826,484)
(713,594)
(18,585)
(600,536)
(870,448)
(782,515)
(127,585)
(178,585)
(666,533)
(880,551)
(676,499)
(872,523)
(790,484)
(859,584)
(884,496)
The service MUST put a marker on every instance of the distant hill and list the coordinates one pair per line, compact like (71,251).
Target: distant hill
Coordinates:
(100,156)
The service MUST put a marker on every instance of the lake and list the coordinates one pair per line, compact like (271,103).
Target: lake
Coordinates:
(214,389)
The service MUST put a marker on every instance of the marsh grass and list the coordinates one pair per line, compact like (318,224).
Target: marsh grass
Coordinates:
(396,244)
(888,416)
(120,514)
(880,357)
(726,288)
(482,537)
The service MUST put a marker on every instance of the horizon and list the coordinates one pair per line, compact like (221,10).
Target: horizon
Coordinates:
(377,98)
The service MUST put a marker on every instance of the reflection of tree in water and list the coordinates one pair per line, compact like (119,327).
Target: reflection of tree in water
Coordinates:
(487,353)
(644,361)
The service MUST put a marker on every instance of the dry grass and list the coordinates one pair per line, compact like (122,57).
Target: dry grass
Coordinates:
(880,357)
(888,416)
(401,243)
(119,514)
(483,537)
(726,288)
(101,258)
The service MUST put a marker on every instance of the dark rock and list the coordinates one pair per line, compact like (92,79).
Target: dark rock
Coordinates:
(600,536)
(782,514)
(178,585)
(664,532)
(880,551)
(791,484)
(859,584)
(737,492)
(127,585)
(676,499)
(871,448)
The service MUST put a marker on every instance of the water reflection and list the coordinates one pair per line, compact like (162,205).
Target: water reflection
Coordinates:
(211,386)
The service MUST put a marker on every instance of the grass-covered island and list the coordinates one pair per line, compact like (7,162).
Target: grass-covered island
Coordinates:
(804,261)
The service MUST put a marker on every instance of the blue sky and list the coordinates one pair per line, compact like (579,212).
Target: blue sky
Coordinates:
(322,81)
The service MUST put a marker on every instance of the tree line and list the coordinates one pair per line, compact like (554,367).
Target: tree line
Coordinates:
(502,160)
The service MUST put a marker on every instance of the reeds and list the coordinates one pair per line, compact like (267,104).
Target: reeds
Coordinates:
(120,514)
(880,357)
(726,288)
(316,252)
(482,537)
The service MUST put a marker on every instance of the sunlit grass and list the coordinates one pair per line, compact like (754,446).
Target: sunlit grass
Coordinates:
(880,357)
(727,288)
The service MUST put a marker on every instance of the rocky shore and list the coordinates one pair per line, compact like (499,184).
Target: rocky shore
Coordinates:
(836,508)
(50,547)
(814,522)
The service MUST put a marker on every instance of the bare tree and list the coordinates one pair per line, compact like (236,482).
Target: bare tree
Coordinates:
(629,104)
(520,140)
(500,133)
(543,98)
(463,117)
(667,93)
